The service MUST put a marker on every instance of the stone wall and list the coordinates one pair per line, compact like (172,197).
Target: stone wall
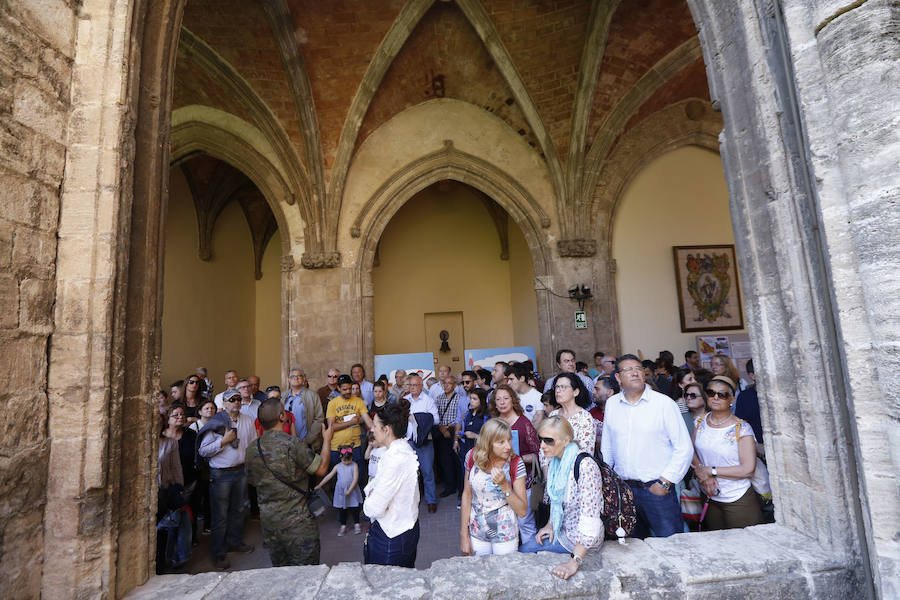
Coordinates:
(36,51)
(763,562)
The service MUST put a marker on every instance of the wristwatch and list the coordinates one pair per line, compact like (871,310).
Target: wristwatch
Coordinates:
(665,484)
(506,494)
(714,471)
(578,560)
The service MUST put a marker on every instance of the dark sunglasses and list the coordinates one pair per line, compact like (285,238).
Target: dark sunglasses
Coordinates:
(691,395)
(193,381)
(720,395)
(548,441)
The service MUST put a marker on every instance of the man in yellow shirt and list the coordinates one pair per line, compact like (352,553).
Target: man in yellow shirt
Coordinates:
(344,415)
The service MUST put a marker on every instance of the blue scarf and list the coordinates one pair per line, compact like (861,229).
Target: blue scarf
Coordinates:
(557,479)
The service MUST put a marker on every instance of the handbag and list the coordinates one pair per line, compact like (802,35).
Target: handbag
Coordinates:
(691,500)
(314,501)
(538,485)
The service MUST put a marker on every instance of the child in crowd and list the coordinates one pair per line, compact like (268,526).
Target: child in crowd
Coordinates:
(373,454)
(347,496)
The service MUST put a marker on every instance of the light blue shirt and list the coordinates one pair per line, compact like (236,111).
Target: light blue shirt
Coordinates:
(294,404)
(251,409)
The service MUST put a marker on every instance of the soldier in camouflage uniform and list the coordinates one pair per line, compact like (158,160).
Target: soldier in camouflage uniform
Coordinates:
(290,532)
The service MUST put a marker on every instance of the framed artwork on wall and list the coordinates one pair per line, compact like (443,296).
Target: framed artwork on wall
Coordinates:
(709,297)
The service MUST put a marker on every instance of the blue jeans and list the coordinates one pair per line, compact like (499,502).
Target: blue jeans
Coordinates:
(426,466)
(177,524)
(532,546)
(399,551)
(226,493)
(659,516)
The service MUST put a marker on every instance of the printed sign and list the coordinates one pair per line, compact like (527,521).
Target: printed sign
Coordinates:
(417,362)
(580,319)
(485,358)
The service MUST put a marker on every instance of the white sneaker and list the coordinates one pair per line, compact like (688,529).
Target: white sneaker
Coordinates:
(356,529)
(342,530)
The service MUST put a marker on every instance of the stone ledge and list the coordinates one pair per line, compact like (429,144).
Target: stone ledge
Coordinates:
(767,562)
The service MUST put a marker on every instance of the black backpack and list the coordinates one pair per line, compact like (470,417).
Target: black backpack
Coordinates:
(619,512)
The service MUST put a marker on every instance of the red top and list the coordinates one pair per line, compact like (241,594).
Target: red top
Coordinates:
(287,424)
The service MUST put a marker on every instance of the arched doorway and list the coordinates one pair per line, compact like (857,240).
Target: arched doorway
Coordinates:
(451,249)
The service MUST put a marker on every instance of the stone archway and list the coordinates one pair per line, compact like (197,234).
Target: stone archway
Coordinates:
(448,163)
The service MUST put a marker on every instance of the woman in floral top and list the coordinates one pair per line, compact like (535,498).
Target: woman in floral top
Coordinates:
(576,505)
(494,494)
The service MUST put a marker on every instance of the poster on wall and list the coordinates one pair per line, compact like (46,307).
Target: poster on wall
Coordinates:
(485,358)
(735,346)
(416,362)
(709,298)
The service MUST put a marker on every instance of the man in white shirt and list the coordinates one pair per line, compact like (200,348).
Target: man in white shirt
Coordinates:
(231,379)
(392,497)
(228,479)
(529,398)
(565,361)
(420,402)
(644,439)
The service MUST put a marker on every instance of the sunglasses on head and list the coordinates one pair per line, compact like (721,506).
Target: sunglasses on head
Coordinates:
(715,394)
(547,440)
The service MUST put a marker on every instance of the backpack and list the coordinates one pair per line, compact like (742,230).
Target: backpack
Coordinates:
(619,512)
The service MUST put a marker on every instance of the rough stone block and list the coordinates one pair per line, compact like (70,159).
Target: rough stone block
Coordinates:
(39,110)
(36,305)
(276,583)
(23,473)
(9,300)
(6,243)
(346,580)
(184,587)
(53,20)
(393,583)
(23,362)
(27,419)
(21,552)
(33,253)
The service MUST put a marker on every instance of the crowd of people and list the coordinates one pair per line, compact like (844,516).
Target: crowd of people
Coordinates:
(529,470)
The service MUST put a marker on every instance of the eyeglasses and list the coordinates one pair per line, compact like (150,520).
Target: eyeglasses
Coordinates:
(720,395)
(611,362)
(692,395)
(631,369)
(190,381)
(547,440)
(467,381)
(332,377)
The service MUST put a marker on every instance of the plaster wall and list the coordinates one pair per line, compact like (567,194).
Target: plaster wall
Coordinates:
(679,199)
(522,298)
(441,253)
(209,308)
(267,323)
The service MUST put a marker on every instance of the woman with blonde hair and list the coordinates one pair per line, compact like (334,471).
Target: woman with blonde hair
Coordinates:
(494,494)
(720,364)
(574,486)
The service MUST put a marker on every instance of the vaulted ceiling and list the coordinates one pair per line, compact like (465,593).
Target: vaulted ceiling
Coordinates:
(570,76)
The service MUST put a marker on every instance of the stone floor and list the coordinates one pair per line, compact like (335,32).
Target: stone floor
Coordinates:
(439,538)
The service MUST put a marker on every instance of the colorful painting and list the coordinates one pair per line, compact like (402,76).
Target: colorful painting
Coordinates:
(709,296)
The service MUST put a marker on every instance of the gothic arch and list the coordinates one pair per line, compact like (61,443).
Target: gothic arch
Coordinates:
(406,182)
(233,140)
(690,122)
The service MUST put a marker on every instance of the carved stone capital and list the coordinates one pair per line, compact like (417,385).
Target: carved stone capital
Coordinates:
(320,260)
(288,263)
(577,248)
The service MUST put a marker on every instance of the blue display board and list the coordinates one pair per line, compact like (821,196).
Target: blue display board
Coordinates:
(417,362)
(485,358)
